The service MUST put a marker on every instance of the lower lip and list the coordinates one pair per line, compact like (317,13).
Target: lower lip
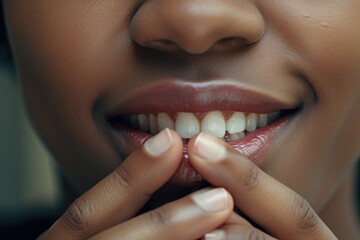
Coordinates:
(254,145)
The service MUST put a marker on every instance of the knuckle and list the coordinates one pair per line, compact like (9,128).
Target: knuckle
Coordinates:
(252,177)
(77,217)
(122,177)
(160,218)
(306,218)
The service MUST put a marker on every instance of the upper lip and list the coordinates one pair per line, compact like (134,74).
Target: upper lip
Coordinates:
(180,96)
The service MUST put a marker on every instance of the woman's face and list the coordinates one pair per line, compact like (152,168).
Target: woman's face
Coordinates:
(84,65)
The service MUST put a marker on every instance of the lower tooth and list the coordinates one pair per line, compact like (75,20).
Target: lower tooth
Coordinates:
(236,136)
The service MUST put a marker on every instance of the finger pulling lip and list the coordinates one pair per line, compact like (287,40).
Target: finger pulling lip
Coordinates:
(174,98)
(255,146)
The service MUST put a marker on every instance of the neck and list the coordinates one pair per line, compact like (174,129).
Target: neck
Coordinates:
(341,214)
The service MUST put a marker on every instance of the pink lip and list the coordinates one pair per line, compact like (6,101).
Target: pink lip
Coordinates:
(174,98)
(255,146)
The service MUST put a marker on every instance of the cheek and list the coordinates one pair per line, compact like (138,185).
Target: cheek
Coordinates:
(324,38)
(330,48)
(63,64)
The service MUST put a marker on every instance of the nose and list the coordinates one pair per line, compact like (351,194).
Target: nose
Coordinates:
(196,26)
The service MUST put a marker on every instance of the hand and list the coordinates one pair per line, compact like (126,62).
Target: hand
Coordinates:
(107,210)
(273,206)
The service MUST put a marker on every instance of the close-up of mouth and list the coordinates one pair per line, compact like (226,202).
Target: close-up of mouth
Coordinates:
(228,126)
(247,120)
(140,119)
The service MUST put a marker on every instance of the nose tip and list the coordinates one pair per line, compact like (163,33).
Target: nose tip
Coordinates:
(196,26)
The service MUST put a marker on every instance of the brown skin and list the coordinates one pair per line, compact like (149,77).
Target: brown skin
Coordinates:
(73,55)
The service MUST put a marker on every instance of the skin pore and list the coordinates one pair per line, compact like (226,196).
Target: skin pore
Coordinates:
(79,60)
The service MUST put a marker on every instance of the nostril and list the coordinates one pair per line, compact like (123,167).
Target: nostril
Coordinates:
(162,44)
(230,43)
(196,26)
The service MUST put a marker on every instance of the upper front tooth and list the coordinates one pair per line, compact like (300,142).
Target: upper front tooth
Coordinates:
(214,124)
(143,122)
(153,124)
(261,120)
(164,121)
(251,122)
(187,125)
(236,123)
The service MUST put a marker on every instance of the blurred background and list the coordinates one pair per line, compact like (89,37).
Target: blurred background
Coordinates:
(30,193)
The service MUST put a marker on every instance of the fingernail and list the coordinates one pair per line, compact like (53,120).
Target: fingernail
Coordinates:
(214,200)
(215,235)
(160,143)
(208,148)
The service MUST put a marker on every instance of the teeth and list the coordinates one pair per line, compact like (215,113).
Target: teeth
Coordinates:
(164,121)
(236,136)
(236,123)
(214,123)
(143,122)
(273,116)
(251,122)
(153,124)
(262,120)
(187,125)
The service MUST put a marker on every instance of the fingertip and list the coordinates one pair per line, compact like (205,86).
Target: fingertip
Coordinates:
(161,153)
(206,152)
(175,136)
(162,143)
(217,234)
(191,143)
(230,202)
(176,150)
(214,200)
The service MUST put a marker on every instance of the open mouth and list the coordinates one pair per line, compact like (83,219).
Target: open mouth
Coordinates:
(228,126)
(250,133)
(250,122)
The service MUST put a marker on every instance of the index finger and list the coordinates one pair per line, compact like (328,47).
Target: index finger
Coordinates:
(121,194)
(264,199)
